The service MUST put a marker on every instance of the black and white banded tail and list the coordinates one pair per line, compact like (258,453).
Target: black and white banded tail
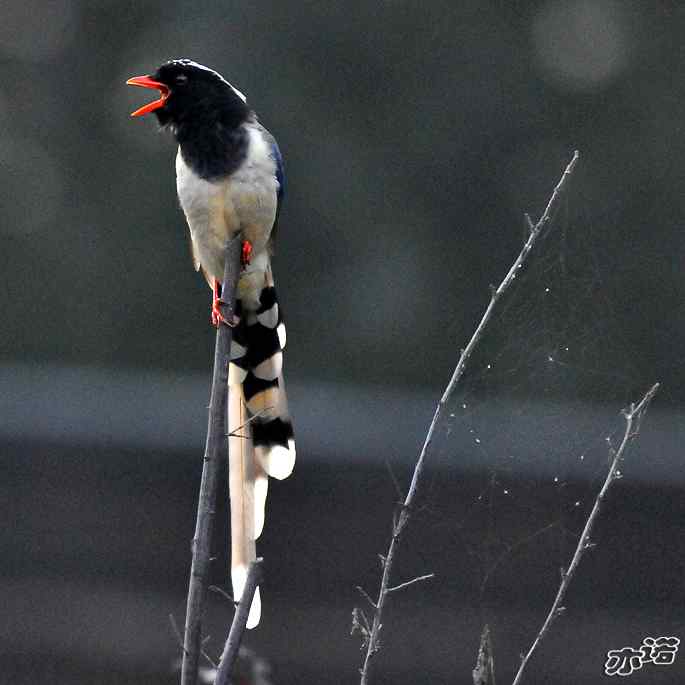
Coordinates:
(261,440)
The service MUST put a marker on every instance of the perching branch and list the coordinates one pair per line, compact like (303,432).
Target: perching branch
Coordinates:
(215,452)
(372,640)
(633,416)
(235,635)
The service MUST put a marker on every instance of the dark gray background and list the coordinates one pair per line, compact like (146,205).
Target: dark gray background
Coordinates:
(415,135)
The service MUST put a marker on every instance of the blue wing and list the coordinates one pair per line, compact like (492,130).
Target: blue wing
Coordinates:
(280,171)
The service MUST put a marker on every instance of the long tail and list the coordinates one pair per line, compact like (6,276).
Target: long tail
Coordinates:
(260,430)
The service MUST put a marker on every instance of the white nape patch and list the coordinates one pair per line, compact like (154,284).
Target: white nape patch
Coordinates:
(269,318)
(261,486)
(276,460)
(197,65)
(270,369)
(281,335)
(237,92)
(239,578)
(236,375)
(237,350)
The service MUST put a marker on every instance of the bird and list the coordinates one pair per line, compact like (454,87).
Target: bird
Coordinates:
(230,179)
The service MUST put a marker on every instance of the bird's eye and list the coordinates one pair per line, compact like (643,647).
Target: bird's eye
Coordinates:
(181,80)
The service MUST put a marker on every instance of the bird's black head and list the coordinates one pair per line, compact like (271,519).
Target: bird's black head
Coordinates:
(192,95)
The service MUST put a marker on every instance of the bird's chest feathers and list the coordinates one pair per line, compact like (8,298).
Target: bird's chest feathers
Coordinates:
(243,201)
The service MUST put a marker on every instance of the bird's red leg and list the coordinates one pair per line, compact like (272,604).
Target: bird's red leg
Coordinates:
(217,317)
(246,254)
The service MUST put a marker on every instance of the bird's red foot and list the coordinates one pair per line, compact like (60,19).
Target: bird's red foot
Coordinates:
(246,255)
(217,317)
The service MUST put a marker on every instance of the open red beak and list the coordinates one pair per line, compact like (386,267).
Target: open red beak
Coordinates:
(147,82)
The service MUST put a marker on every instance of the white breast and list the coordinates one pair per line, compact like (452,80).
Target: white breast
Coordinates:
(215,210)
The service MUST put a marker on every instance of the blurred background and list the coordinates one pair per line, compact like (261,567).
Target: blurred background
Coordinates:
(415,137)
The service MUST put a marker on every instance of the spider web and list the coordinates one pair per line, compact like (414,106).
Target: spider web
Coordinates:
(515,469)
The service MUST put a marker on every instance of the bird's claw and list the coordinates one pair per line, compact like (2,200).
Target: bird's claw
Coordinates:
(218,318)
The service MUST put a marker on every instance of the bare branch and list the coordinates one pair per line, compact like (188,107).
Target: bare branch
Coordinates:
(222,592)
(418,579)
(177,632)
(235,635)
(365,595)
(215,453)
(633,417)
(496,294)
(393,478)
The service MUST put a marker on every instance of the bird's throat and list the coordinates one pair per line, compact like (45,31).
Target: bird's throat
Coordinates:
(212,150)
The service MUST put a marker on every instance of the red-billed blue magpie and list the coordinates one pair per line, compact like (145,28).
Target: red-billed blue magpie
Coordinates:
(229,178)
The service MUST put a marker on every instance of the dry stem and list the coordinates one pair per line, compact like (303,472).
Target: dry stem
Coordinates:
(372,638)
(632,415)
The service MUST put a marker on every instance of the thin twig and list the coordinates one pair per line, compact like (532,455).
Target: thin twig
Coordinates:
(209,659)
(179,639)
(633,416)
(215,453)
(511,548)
(365,595)
(393,478)
(401,521)
(177,632)
(235,635)
(529,222)
(222,592)
(418,579)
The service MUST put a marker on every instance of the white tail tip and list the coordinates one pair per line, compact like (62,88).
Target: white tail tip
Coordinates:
(238,578)
(278,461)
